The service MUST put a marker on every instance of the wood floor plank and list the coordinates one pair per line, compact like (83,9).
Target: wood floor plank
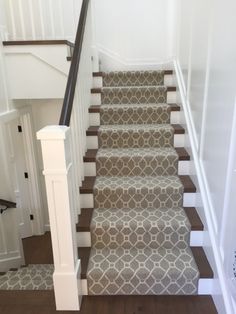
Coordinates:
(42,302)
(84,220)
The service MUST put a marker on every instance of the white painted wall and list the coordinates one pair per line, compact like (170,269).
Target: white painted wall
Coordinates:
(133,33)
(41,19)
(206,56)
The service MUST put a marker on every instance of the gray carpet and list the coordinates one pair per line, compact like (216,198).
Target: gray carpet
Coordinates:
(140,232)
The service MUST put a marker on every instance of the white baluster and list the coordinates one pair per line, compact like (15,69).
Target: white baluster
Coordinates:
(41,18)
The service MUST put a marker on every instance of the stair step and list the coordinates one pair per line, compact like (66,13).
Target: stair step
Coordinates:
(88,185)
(137,162)
(91,154)
(86,217)
(140,228)
(133,78)
(83,255)
(32,277)
(133,95)
(136,136)
(203,265)
(97,109)
(142,271)
(94,130)
(101,74)
(99,90)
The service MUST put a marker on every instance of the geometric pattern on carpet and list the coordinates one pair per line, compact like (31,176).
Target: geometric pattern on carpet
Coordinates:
(140,228)
(133,78)
(136,136)
(142,271)
(135,114)
(134,95)
(32,277)
(138,192)
(137,162)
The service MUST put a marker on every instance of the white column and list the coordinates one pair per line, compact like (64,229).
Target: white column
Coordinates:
(58,172)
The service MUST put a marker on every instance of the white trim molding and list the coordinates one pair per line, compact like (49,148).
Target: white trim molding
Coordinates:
(59,177)
(220,284)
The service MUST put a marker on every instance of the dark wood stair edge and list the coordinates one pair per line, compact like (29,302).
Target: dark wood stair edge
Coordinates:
(101,74)
(93,130)
(97,108)
(85,219)
(99,90)
(199,255)
(88,185)
(37,42)
(91,154)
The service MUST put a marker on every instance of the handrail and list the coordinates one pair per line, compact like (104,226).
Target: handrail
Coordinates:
(74,68)
(7,205)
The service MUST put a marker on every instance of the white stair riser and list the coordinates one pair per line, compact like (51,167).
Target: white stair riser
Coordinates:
(87,200)
(90,168)
(204,286)
(96,98)
(98,81)
(94,118)
(92,141)
(84,239)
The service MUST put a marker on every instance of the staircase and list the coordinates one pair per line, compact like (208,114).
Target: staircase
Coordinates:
(137,196)
(31,277)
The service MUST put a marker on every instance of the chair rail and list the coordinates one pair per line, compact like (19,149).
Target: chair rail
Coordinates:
(74,68)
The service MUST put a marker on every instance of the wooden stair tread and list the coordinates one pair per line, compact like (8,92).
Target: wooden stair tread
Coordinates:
(97,108)
(189,186)
(194,219)
(85,219)
(37,42)
(91,154)
(83,255)
(101,74)
(99,90)
(93,130)
(202,262)
(88,185)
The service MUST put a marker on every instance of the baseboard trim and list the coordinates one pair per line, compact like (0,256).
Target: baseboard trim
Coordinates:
(205,195)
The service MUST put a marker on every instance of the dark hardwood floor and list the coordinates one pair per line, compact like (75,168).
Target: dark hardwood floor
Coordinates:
(39,250)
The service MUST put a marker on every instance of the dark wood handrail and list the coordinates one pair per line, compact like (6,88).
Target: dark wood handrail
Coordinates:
(6,204)
(74,68)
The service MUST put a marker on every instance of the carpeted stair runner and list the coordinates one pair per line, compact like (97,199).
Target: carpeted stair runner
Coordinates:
(137,162)
(32,277)
(140,232)
(135,114)
(135,78)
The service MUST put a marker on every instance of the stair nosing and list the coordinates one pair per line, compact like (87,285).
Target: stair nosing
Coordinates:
(97,108)
(93,130)
(91,154)
(191,213)
(203,265)
(88,184)
(101,74)
(98,90)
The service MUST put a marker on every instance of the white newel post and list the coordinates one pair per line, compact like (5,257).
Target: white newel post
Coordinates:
(58,172)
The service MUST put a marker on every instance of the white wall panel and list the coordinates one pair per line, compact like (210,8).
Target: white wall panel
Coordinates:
(133,32)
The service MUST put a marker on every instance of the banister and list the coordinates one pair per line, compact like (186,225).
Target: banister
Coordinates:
(74,68)
(6,204)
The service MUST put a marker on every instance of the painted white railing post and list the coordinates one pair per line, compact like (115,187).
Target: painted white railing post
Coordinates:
(58,172)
